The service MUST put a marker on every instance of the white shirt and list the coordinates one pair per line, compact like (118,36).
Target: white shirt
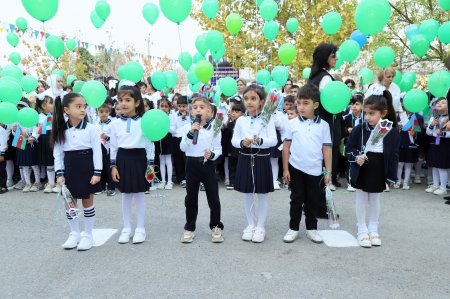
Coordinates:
(205,141)
(154,97)
(84,136)
(179,123)
(249,126)
(127,133)
(308,137)
(431,130)
(325,80)
(104,128)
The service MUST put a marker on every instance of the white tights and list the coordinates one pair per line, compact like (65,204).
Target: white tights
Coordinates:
(27,174)
(140,209)
(9,169)
(166,161)
(226,170)
(408,168)
(440,175)
(263,206)
(275,168)
(372,200)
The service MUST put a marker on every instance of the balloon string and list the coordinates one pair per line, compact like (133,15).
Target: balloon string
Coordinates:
(256,37)
(179,37)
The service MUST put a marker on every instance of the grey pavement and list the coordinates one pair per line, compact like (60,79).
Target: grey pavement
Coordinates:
(412,263)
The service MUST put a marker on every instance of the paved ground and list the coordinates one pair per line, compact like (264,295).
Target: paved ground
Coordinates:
(412,263)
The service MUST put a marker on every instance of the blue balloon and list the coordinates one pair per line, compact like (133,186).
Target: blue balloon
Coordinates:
(359,37)
(411,31)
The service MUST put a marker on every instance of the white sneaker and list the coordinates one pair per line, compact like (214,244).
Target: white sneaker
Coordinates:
(314,236)
(440,191)
(405,187)
(20,185)
(226,183)
(169,186)
(183,184)
(290,236)
(350,188)
(248,233)
(153,188)
(364,241)
(387,188)
(9,184)
(417,180)
(56,189)
(375,239)
(397,185)
(332,187)
(125,236)
(27,188)
(36,187)
(259,235)
(139,235)
(161,185)
(72,241)
(431,189)
(48,188)
(86,242)
(276,185)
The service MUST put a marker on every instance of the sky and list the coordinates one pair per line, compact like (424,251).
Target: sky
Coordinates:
(124,26)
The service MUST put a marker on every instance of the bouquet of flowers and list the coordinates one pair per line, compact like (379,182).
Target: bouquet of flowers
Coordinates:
(437,127)
(217,126)
(270,106)
(150,174)
(70,204)
(331,209)
(383,127)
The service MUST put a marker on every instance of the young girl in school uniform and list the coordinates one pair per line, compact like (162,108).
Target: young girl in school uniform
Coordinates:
(131,153)
(370,176)
(78,163)
(254,171)
(165,146)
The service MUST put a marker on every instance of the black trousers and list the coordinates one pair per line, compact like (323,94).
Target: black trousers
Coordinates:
(197,172)
(305,193)
(106,172)
(3,175)
(335,162)
(232,163)
(179,160)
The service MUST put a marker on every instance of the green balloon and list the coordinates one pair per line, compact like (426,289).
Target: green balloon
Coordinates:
(398,77)
(419,45)
(185,60)
(12,71)
(150,12)
(372,15)
(176,10)
(263,77)
(280,75)
(384,56)
(21,23)
(102,9)
(201,44)
(331,23)
(121,72)
(12,39)
(42,10)
(171,78)
(268,10)
(270,30)
(204,71)
(349,50)
(408,81)
(96,20)
(71,44)
(192,77)
(429,28)
(234,23)
(70,79)
(287,53)
(444,4)
(195,87)
(8,113)
(155,124)
(78,86)
(415,100)
(210,8)
(365,75)
(228,86)
(335,97)
(15,58)
(159,80)
(292,25)
(198,57)
(306,72)
(58,72)
(94,92)
(444,33)
(215,40)
(29,83)
(10,90)
(272,85)
(217,55)
(439,83)
(55,46)
(27,117)
(133,71)
(258,2)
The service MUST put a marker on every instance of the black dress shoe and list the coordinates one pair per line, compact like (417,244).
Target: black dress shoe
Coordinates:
(447,197)
(447,202)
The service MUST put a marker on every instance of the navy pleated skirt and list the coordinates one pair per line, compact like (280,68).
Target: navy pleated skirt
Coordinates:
(439,155)
(132,165)
(254,171)
(28,156)
(45,155)
(408,155)
(275,152)
(371,176)
(78,171)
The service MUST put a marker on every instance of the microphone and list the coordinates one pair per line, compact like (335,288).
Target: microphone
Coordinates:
(198,119)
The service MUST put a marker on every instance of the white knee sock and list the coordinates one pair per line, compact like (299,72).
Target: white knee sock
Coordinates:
(436,177)
(408,168)
(263,207)
(275,168)
(374,212)
(126,209)
(27,174)
(37,173)
(89,219)
(42,172)
(10,169)
(429,174)
(169,167)
(162,167)
(140,209)
(418,167)
(74,224)
(51,174)
(443,177)
(362,200)
(400,171)
(226,170)
(248,207)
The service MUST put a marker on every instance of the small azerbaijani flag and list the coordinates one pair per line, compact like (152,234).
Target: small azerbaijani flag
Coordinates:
(19,140)
(416,125)
(43,128)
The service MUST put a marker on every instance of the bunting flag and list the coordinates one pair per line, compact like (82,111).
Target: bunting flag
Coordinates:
(11,27)
(36,33)
(19,140)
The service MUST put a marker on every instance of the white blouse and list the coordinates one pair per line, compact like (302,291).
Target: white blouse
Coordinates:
(249,126)
(205,141)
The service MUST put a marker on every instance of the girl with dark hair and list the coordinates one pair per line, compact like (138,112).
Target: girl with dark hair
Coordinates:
(78,163)
(370,175)
(131,155)
(166,146)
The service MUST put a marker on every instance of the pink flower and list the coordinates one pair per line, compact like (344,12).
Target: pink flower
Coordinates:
(219,115)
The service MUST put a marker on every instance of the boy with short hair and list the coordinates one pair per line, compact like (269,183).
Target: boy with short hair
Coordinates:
(294,90)
(104,127)
(292,112)
(306,147)
(289,101)
(181,118)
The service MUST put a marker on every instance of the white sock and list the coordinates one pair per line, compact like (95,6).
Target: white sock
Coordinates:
(429,174)
(140,209)
(436,177)
(42,172)
(443,176)
(51,174)
(37,173)
(126,209)
(10,169)
(169,167)
(362,200)
(226,170)
(408,168)
(27,174)
(22,176)
(400,171)
(74,224)
(248,206)
(419,168)
(263,207)
(89,219)
(374,212)
(162,167)
(275,168)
